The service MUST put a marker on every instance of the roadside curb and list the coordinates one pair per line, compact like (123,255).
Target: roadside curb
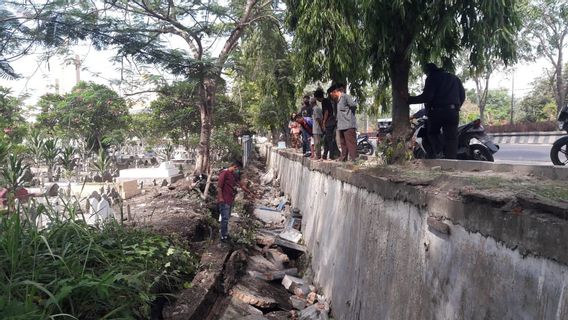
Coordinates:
(527,137)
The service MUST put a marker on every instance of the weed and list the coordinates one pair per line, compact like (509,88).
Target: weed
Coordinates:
(76,271)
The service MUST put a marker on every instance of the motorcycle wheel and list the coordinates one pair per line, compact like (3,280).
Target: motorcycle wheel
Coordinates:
(559,152)
(365,148)
(480,153)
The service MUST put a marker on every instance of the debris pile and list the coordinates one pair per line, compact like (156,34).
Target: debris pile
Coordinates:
(273,286)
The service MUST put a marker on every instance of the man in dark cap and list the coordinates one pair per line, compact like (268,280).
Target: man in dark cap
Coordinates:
(330,150)
(443,96)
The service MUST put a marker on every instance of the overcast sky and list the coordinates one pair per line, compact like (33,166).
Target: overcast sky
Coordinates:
(39,77)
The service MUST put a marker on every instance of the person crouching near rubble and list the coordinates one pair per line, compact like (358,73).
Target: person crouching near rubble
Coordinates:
(229,179)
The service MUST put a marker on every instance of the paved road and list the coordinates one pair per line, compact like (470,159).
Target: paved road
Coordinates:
(524,153)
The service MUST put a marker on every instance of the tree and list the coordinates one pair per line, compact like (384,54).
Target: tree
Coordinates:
(12,123)
(175,113)
(547,24)
(50,155)
(540,103)
(140,30)
(264,80)
(92,113)
(387,35)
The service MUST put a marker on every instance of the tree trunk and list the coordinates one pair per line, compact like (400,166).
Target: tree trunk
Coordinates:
(482,113)
(206,104)
(560,86)
(399,71)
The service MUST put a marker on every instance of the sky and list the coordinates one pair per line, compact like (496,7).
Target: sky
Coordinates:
(39,76)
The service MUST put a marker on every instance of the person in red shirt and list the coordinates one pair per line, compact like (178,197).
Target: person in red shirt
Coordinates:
(229,179)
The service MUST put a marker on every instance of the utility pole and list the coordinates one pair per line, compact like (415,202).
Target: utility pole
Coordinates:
(512,95)
(77,69)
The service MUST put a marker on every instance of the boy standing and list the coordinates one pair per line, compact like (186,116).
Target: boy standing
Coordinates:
(229,179)
(317,130)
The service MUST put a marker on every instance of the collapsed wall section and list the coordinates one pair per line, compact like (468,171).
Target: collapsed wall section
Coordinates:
(378,252)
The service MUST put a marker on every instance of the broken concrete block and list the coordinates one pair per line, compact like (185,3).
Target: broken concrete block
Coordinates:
(316,311)
(289,282)
(237,309)
(268,216)
(438,225)
(278,315)
(302,291)
(267,177)
(53,190)
(312,297)
(289,245)
(260,294)
(279,259)
(292,235)
(260,264)
(128,189)
(298,303)
(273,275)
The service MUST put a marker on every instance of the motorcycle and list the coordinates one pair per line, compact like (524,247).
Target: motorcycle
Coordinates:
(559,151)
(364,146)
(473,143)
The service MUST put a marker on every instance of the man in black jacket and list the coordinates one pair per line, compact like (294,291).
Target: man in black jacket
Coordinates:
(443,96)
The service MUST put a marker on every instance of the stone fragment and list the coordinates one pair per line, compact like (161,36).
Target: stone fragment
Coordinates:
(268,216)
(53,190)
(260,264)
(236,309)
(302,290)
(292,235)
(438,225)
(278,315)
(298,303)
(279,259)
(273,275)
(316,311)
(311,298)
(260,294)
(289,245)
(290,282)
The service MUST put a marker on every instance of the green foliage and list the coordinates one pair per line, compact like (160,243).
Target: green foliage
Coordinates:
(265,82)
(50,154)
(92,113)
(546,24)
(12,123)
(71,270)
(67,159)
(13,172)
(385,36)
(498,107)
(540,104)
(102,162)
(35,145)
(393,151)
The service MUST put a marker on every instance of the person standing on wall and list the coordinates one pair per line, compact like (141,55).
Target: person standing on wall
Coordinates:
(306,110)
(229,179)
(346,123)
(330,149)
(443,96)
(318,128)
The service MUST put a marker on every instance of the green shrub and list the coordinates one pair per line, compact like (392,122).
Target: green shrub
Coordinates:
(74,271)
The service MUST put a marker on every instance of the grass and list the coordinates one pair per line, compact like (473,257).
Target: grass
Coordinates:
(70,270)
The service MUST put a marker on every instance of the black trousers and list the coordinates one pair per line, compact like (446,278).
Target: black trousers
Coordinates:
(330,150)
(446,119)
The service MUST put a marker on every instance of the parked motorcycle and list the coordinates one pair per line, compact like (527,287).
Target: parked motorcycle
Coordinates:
(473,143)
(364,146)
(559,151)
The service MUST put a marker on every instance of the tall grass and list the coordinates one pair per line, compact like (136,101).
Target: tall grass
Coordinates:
(71,270)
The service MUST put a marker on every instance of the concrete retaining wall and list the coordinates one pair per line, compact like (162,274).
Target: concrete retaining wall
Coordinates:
(374,253)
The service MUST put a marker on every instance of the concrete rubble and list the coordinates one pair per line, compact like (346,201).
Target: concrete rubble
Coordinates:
(273,279)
